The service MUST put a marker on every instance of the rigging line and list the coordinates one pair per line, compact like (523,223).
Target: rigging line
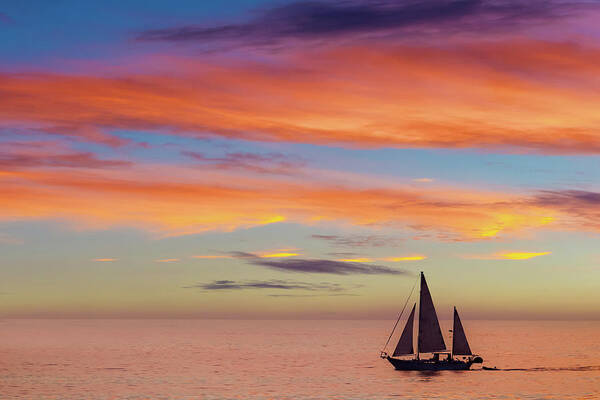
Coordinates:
(400,316)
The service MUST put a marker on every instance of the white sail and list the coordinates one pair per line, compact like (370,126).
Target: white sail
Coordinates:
(460,345)
(405,344)
(430,334)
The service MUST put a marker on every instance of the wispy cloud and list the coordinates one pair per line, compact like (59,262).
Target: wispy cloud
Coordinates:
(358,240)
(569,199)
(320,266)
(308,97)
(104,259)
(508,255)
(110,198)
(415,257)
(277,253)
(271,163)
(168,260)
(356,259)
(28,154)
(580,208)
(423,180)
(268,284)
(348,19)
(280,253)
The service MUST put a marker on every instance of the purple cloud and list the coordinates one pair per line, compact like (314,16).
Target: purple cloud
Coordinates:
(568,198)
(327,19)
(270,284)
(272,163)
(49,154)
(319,266)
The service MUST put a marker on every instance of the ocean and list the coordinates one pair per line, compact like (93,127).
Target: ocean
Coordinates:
(280,359)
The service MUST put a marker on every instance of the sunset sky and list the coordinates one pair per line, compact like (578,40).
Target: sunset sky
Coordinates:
(277,159)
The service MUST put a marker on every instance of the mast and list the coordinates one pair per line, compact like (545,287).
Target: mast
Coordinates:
(418,340)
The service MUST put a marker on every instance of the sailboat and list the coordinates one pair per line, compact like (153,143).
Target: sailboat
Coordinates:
(430,340)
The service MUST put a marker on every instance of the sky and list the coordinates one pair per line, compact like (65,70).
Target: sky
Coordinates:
(299,159)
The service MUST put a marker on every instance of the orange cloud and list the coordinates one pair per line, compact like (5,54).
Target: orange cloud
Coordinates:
(505,96)
(104,259)
(168,260)
(158,203)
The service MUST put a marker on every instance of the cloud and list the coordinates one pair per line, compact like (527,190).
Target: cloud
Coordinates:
(358,240)
(320,266)
(270,284)
(168,260)
(423,180)
(270,163)
(50,154)
(157,200)
(328,267)
(416,257)
(282,253)
(509,255)
(278,253)
(581,208)
(104,259)
(568,198)
(501,96)
(329,20)
(389,259)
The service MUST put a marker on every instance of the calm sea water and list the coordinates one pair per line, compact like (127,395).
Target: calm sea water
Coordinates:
(211,359)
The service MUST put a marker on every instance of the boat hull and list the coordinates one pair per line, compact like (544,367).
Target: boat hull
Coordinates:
(429,365)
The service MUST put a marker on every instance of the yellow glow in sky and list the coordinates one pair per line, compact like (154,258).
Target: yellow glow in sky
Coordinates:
(274,219)
(279,255)
(406,258)
(520,255)
(508,255)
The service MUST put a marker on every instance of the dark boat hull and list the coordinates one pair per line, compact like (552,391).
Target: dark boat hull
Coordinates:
(429,365)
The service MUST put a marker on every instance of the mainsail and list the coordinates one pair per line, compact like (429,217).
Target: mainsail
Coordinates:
(430,334)
(405,344)
(460,345)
